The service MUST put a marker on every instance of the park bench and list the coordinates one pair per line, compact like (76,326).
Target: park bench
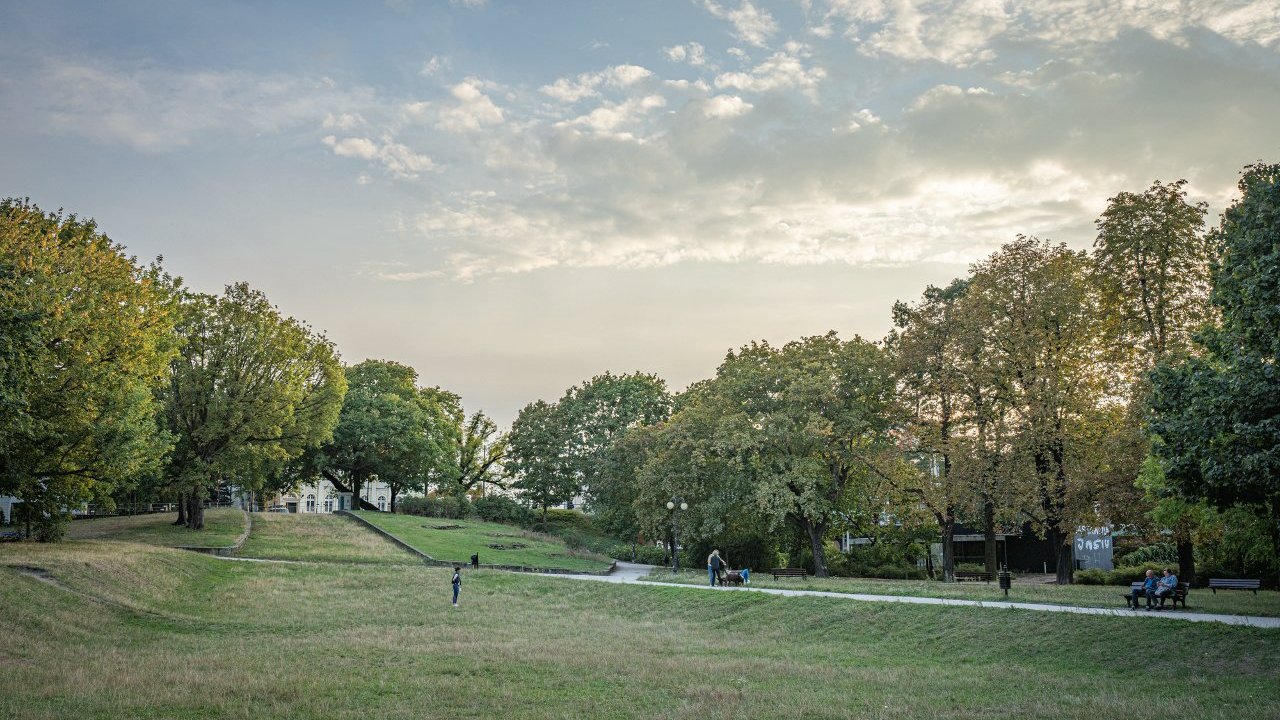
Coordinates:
(789,572)
(973,577)
(1179,594)
(1216,584)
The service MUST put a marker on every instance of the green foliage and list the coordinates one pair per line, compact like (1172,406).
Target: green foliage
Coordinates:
(502,509)
(1090,576)
(536,456)
(445,506)
(85,335)
(1151,556)
(1126,575)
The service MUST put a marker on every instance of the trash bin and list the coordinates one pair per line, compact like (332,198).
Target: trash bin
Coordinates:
(1006,580)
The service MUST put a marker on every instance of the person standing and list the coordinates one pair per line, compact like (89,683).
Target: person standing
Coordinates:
(457,583)
(715,564)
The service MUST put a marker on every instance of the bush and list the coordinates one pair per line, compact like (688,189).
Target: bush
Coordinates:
(437,507)
(646,554)
(502,509)
(1092,576)
(1124,575)
(560,519)
(1152,556)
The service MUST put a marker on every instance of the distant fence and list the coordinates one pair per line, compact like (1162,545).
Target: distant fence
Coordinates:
(91,511)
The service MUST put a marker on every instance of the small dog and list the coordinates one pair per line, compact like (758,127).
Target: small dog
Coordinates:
(731,578)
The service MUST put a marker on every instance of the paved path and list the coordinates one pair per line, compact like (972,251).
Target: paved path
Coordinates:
(634,573)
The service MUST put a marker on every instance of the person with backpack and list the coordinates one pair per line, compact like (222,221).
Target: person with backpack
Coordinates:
(715,564)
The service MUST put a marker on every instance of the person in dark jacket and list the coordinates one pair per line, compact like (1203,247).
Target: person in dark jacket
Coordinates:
(457,583)
(715,564)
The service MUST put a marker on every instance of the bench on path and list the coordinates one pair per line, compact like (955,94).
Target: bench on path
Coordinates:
(973,577)
(1216,584)
(1179,595)
(789,572)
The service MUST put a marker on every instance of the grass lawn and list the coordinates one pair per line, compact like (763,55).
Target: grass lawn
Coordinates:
(320,538)
(221,528)
(456,540)
(131,631)
(1233,602)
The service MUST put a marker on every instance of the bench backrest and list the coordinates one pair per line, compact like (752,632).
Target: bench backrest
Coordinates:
(1229,583)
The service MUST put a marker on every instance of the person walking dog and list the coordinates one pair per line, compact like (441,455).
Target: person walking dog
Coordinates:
(715,564)
(457,583)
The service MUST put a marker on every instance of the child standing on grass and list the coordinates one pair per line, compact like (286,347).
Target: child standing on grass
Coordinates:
(457,583)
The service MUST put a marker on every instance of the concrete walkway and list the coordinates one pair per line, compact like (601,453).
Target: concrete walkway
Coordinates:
(635,573)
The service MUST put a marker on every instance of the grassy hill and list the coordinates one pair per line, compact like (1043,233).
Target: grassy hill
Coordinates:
(320,538)
(114,630)
(457,540)
(221,528)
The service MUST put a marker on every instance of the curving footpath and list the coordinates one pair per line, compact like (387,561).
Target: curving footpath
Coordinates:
(635,573)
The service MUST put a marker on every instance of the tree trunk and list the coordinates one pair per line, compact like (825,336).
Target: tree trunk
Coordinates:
(393,501)
(989,558)
(948,525)
(1064,568)
(182,510)
(1186,561)
(544,516)
(195,512)
(815,531)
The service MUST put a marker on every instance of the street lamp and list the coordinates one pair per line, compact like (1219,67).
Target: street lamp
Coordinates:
(672,504)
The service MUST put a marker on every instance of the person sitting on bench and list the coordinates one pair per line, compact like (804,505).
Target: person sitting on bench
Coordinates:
(1148,590)
(1166,585)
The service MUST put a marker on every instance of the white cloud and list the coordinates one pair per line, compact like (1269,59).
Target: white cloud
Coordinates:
(398,159)
(784,70)
(726,106)
(473,111)
(434,66)
(693,53)
(342,121)
(610,116)
(750,24)
(571,90)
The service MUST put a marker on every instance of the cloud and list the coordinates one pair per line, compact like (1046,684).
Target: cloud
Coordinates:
(434,66)
(473,111)
(610,116)
(693,53)
(784,70)
(726,106)
(571,90)
(750,24)
(398,159)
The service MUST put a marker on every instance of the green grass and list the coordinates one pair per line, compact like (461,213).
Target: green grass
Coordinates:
(222,526)
(320,538)
(456,540)
(1265,603)
(131,631)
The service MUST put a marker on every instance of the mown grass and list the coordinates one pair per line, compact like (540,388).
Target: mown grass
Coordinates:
(222,526)
(1266,603)
(457,540)
(137,632)
(320,538)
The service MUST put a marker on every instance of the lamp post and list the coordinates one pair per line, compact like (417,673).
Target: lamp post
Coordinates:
(672,504)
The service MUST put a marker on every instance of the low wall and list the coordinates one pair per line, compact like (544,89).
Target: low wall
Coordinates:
(229,550)
(428,560)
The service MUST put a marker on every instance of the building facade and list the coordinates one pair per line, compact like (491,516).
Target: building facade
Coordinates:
(323,498)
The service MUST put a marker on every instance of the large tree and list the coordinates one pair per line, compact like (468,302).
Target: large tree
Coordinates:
(1151,264)
(250,390)
(85,335)
(1217,415)
(388,429)
(474,454)
(537,457)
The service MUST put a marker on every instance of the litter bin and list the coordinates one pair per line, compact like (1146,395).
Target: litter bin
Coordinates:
(1006,580)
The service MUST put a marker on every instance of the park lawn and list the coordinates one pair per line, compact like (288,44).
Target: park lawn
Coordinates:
(456,540)
(320,538)
(1232,602)
(222,526)
(130,631)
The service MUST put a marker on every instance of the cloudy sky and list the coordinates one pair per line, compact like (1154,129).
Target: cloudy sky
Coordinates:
(515,196)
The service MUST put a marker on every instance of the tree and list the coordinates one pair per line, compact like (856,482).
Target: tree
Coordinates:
(536,457)
(250,390)
(474,453)
(927,352)
(593,415)
(85,335)
(388,429)
(1045,337)
(1151,263)
(1217,415)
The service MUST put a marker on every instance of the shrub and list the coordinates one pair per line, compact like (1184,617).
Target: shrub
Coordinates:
(1157,555)
(646,554)
(438,507)
(561,519)
(502,509)
(1124,575)
(1092,576)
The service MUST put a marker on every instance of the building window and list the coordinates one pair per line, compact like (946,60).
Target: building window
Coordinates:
(328,504)
(311,503)
(382,503)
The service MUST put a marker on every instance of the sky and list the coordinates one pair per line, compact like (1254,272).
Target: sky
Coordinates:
(513,197)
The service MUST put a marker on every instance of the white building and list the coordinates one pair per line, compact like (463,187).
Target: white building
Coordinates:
(322,497)
(6,508)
